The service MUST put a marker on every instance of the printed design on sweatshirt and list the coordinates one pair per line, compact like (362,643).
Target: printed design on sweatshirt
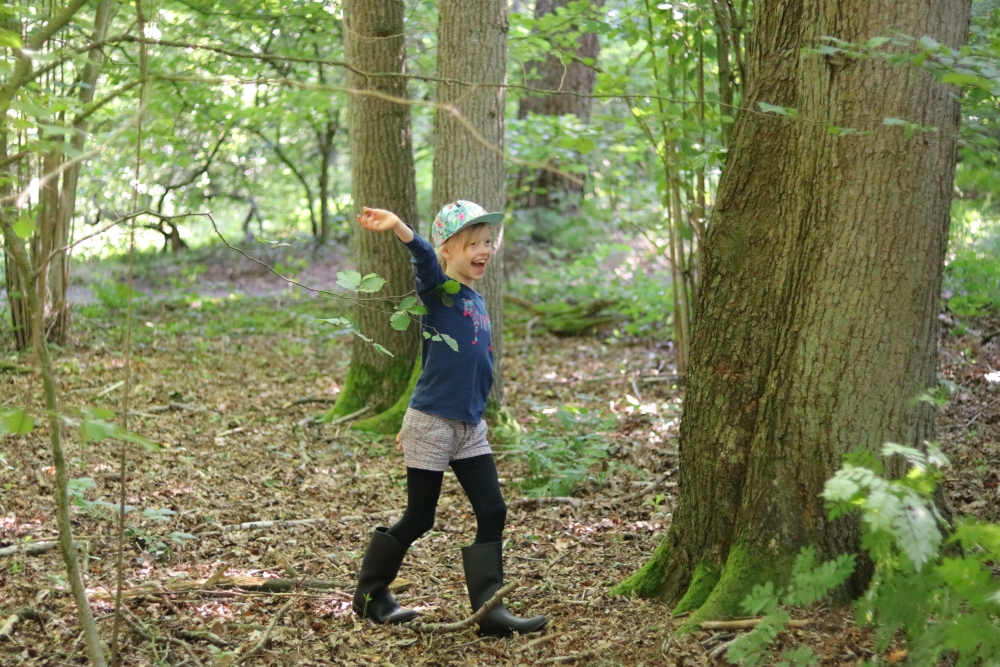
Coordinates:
(479,320)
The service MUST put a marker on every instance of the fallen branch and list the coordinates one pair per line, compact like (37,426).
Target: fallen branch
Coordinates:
(648,488)
(30,549)
(22,614)
(311,399)
(535,642)
(338,420)
(538,502)
(272,524)
(444,628)
(267,635)
(204,636)
(569,658)
(748,624)
(266,585)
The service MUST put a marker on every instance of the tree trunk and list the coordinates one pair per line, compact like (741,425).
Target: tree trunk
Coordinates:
(382,176)
(325,141)
(816,324)
(472,47)
(58,269)
(577,80)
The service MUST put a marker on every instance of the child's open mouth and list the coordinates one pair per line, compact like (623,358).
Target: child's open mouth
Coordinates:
(479,266)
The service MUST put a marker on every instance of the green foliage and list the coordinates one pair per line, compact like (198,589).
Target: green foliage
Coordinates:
(114,296)
(566,448)
(641,295)
(946,605)
(973,278)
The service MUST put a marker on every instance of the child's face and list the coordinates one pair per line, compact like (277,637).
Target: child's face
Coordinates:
(468,254)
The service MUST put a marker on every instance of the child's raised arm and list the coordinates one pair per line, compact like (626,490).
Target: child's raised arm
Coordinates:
(380,220)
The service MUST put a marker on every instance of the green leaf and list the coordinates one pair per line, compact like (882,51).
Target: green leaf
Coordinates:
(10,39)
(383,350)
(773,108)
(349,280)
(961,79)
(876,42)
(17,421)
(450,341)
(95,430)
(337,321)
(839,488)
(427,334)
(407,303)
(418,310)
(24,226)
(370,283)
(894,121)
(75,488)
(452,287)
(400,321)
(158,514)
(137,439)
(916,531)
(447,301)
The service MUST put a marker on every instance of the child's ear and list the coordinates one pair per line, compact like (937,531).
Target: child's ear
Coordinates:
(446,251)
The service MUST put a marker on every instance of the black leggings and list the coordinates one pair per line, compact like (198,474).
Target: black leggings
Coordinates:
(478,477)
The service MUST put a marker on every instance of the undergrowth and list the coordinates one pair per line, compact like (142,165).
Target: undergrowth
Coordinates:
(941,595)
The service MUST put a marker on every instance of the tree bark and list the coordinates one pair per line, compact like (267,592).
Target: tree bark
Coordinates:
(472,47)
(577,80)
(816,324)
(382,176)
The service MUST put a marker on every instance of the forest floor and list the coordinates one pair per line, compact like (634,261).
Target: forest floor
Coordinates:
(223,383)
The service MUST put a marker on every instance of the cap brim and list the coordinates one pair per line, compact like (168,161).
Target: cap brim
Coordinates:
(491,218)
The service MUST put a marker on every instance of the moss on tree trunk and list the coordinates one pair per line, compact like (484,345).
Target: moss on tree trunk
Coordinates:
(390,421)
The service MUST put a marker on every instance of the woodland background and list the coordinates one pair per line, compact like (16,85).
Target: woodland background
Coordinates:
(191,333)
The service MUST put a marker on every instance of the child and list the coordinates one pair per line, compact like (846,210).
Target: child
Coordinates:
(444,424)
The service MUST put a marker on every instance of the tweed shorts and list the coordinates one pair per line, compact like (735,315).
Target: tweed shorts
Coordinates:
(431,442)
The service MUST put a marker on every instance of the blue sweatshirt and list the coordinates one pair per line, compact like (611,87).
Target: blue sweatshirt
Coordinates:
(452,384)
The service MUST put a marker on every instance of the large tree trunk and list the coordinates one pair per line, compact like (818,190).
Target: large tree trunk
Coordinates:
(815,326)
(576,81)
(382,176)
(472,47)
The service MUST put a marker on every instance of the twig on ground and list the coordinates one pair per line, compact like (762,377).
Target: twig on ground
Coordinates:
(218,574)
(748,624)
(273,524)
(339,420)
(22,614)
(266,585)
(33,548)
(204,636)
(648,488)
(311,399)
(569,658)
(719,650)
(444,628)
(536,642)
(538,502)
(267,635)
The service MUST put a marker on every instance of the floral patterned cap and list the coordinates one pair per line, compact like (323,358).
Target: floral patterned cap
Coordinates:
(456,216)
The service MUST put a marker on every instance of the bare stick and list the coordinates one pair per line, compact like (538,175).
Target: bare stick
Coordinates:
(536,642)
(32,549)
(22,614)
(214,579)
(267,634)
(538,502)
(747,624)
(648,488)
(559,659)
(204,636)
(271,524)
(444,628)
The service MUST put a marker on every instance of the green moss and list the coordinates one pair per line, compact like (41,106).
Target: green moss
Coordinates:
(743,570)
(703,582)
(647,580)
(366,384)
(391,420)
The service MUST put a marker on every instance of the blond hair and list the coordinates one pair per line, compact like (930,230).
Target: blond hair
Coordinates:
(465,236)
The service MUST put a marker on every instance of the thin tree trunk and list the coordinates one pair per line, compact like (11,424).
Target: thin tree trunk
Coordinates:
(576,79)
(382,176)
(326,155)
(85,615)
(472,47)
(816,322)
(58,268)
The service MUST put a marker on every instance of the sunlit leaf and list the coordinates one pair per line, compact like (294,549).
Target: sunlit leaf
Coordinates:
(370,283)
(349,280)
(17,421)
(400,321)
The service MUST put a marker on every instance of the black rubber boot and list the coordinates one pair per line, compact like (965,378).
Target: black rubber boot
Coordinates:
(484,577)
(379,567)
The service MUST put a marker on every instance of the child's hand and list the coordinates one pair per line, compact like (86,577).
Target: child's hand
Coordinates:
(399,443)
(378,220)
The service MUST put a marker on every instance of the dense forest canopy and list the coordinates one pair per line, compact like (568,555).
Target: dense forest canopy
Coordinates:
(749,266)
